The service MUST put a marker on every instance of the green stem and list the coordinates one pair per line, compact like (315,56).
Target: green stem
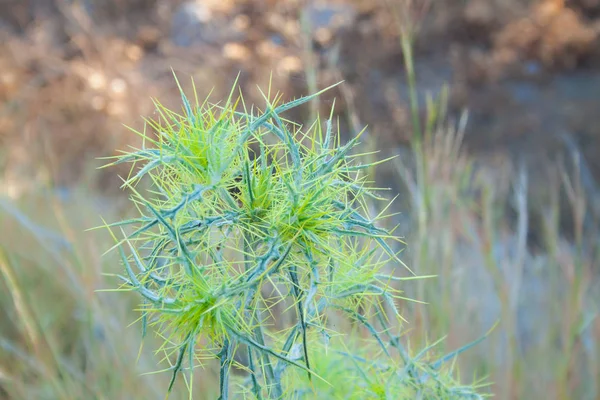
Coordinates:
(226,358)
(298,296)
(273,385)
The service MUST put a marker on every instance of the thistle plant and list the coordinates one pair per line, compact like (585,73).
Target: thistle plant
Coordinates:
(241,200)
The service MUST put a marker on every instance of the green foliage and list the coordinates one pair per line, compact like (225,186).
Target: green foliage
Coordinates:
(352,372)
(242,201)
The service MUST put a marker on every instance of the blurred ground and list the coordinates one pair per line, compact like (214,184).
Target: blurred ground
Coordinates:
(73,72)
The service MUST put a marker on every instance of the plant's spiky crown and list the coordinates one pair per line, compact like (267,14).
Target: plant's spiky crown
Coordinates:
(242,199)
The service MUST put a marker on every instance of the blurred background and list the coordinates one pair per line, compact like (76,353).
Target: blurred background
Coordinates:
(501,203)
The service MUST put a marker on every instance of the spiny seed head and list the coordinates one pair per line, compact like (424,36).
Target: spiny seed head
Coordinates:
(239,200)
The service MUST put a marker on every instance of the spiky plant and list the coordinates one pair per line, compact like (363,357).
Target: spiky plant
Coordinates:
(242,200)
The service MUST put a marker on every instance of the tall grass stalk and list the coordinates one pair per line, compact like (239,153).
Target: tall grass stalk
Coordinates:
(487,269)
(59,338)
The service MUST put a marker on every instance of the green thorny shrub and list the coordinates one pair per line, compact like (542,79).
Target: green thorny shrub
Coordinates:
(242,200)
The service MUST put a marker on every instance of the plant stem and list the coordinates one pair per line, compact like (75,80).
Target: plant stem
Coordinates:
(274,389)
(226,358)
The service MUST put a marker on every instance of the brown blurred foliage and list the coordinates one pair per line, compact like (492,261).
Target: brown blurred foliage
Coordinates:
(73,72)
